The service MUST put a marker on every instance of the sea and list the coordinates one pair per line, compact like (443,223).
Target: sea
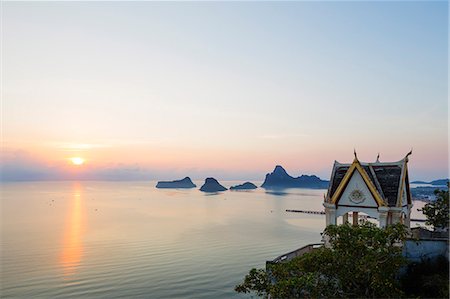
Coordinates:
(132,240)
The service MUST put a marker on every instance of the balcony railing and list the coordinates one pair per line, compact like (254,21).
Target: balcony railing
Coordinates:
(298,252)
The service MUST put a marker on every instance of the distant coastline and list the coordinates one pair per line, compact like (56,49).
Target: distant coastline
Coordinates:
(439,182)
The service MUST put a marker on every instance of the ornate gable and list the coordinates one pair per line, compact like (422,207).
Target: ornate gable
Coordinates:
(380,190)
(360,179)
(387,182)
(357,193)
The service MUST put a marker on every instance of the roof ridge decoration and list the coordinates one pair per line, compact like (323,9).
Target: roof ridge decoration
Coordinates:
(401,185)
(357,166)
(333,172)
(407,155)
(403,179)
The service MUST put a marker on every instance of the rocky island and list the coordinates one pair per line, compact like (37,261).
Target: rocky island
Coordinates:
(279,178)
(212,185)
(184,183)
(244,186)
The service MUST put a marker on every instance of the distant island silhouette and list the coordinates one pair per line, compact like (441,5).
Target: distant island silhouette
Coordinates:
(244,186)
(279,178)
(212,185)
(440,182)
(184,183)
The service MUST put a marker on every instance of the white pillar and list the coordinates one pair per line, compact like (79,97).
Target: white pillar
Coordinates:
(383,216)
(330,213)
(408,217)
(396,215)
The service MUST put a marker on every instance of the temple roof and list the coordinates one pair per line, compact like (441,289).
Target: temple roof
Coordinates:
(384,179)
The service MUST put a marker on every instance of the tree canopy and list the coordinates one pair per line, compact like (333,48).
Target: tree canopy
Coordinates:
(437,212)
(362,261)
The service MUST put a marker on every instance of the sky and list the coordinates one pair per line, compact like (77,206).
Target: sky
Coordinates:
(163,90)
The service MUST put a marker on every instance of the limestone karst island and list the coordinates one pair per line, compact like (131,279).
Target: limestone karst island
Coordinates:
(183,183)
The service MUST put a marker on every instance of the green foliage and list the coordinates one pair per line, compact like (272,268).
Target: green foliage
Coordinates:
(367,258)
(363,261)
(437,212)
(256,280)
(309,276)
(428,279)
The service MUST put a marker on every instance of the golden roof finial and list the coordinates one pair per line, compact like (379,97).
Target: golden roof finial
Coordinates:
(354,152)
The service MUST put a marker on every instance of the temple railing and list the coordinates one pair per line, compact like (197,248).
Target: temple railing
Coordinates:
(296,253)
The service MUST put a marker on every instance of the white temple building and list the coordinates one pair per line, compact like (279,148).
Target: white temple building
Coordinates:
(379,189)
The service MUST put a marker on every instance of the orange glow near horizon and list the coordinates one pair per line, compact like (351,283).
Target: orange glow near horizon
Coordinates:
(427,162)
(72,251)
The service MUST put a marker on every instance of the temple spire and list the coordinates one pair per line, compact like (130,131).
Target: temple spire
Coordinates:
(378,158)
(354,153)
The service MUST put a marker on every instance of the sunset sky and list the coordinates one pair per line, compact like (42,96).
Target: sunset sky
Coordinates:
(163,90)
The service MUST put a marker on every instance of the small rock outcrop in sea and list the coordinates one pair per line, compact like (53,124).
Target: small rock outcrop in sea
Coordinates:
(279,178)
(184,183)
(212,185)
(244,186)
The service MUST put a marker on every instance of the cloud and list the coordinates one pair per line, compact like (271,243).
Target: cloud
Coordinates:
(18,165)
(282,136)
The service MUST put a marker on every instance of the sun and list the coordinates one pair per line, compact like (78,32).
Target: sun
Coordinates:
(77,160)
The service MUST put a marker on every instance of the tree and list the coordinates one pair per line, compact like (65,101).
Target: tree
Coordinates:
(363,261)
(437,212)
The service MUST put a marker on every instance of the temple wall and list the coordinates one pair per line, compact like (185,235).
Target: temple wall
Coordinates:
(425,249)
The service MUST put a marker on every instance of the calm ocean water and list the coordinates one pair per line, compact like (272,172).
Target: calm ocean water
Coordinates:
(129,239)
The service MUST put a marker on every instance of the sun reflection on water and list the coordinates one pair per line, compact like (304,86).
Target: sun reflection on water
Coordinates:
(72,248)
